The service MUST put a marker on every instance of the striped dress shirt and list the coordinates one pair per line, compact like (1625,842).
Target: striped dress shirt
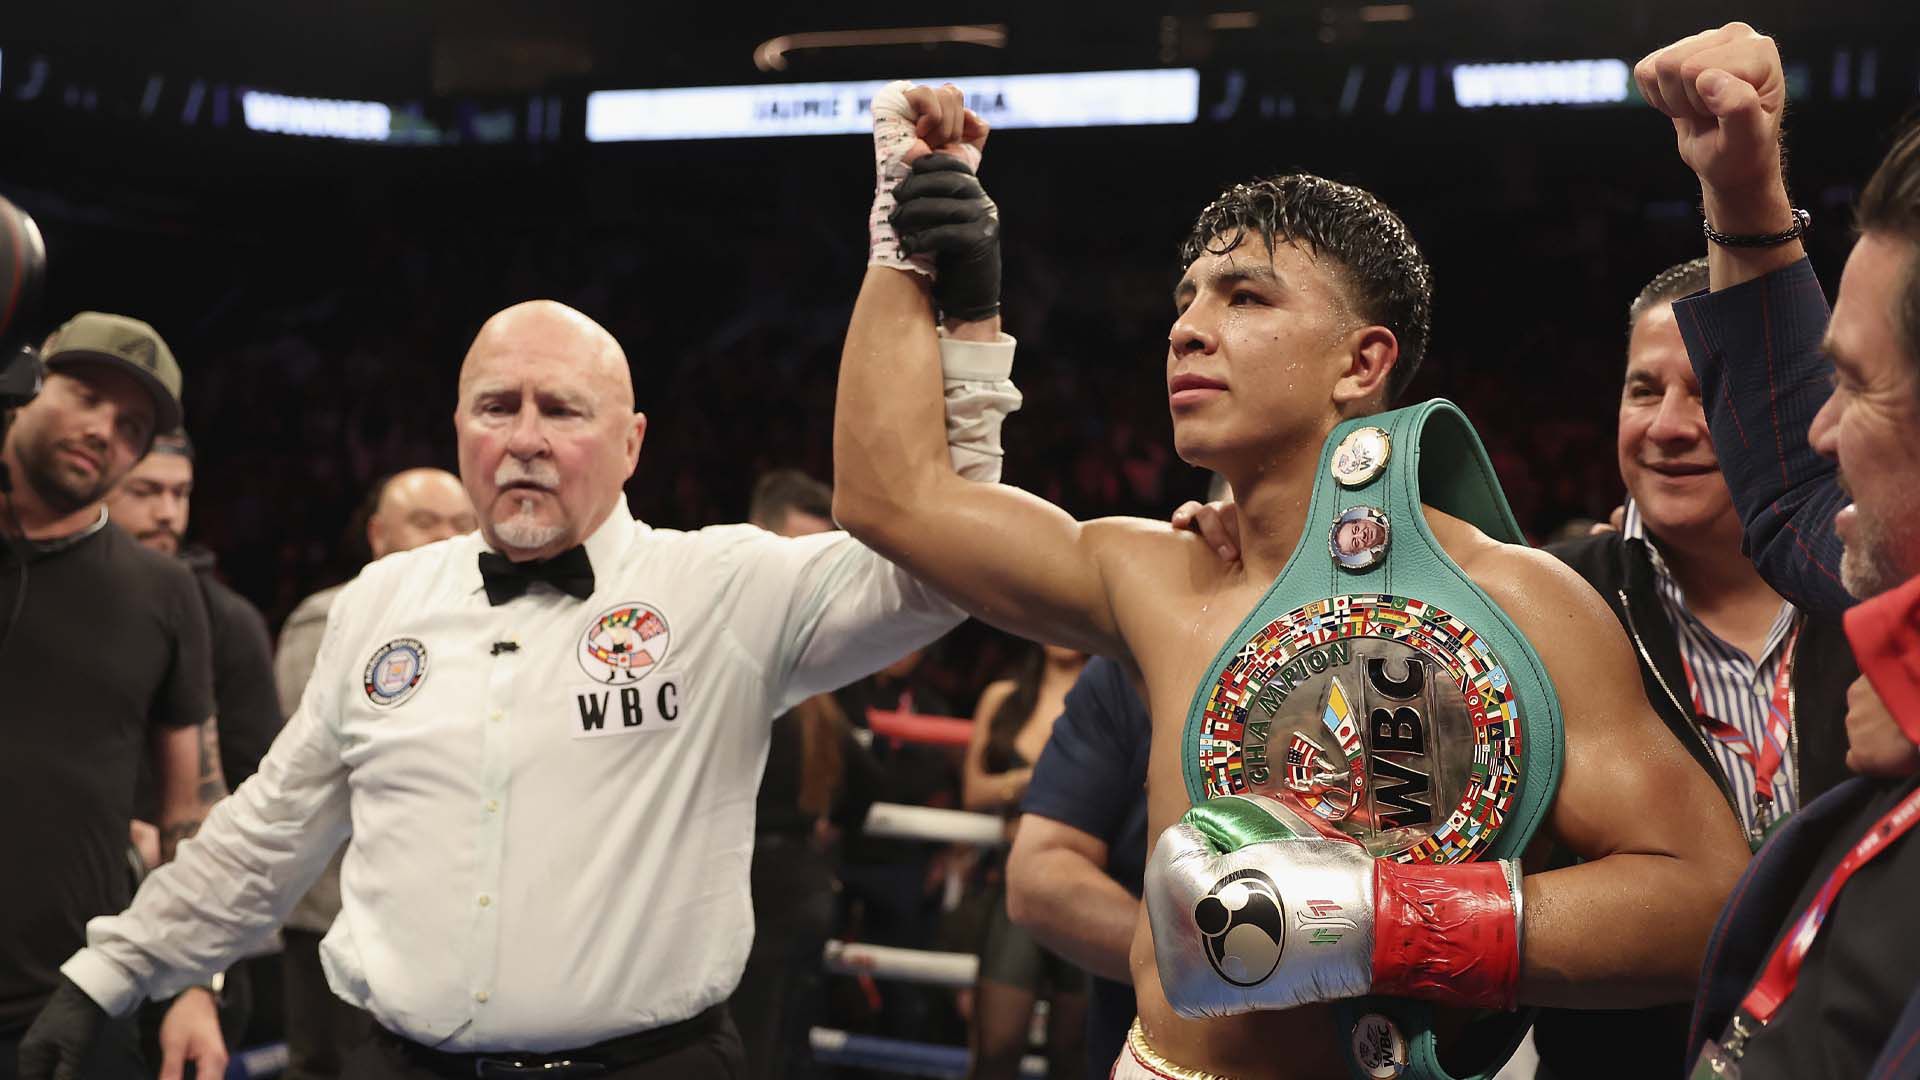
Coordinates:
(1729,685)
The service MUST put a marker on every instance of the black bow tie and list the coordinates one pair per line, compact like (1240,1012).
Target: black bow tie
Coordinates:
(569,571)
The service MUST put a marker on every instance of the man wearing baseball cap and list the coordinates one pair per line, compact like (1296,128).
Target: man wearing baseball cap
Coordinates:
(104,655)
(96,340)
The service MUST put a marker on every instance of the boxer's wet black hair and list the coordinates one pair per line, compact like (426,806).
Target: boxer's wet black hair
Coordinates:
(1387,278)
(1890,206)
(1668,285)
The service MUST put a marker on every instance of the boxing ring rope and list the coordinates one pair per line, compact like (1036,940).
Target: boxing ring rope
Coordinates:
(258,1063)
(899,1056)
(903,726)
(950,969)
(923,966)
(899,822)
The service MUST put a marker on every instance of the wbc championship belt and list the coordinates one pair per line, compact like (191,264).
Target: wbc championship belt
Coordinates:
(1377,688)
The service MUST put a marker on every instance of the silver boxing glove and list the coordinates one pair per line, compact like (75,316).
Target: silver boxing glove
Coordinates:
(1253,908)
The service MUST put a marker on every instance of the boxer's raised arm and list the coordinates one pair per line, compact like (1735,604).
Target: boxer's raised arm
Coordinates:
(1725,91)
(1006,556)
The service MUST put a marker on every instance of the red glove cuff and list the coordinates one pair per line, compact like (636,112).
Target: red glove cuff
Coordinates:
(1446,933)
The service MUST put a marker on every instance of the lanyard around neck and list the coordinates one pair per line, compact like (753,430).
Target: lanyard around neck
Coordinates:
(1782,972)
(1777,730)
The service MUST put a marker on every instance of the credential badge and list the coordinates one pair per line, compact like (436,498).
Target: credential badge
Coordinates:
(623,643)
(395,671)
(1361,456)
(1359,538)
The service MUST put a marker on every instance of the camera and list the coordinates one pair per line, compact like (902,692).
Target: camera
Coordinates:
(23,272)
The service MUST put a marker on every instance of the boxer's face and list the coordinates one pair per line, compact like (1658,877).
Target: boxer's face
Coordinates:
(547,431)
(75,441)
(1666,457)
(152,502)
(1257,344)
(1871,424)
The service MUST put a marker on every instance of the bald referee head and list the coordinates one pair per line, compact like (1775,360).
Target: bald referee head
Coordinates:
(548,434)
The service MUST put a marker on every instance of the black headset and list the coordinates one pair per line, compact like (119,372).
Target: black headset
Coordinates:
(23,274)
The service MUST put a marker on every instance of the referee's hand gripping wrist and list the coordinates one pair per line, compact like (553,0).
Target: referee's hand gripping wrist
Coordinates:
(942,211)
(61,1035)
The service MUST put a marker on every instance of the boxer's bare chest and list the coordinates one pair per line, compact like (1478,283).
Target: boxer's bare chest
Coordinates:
(1175,625)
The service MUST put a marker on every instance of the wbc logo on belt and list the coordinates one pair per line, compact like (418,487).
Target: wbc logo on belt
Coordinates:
(1384,716)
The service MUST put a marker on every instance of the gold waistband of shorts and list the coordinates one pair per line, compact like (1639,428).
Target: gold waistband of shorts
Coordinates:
(1137,1043)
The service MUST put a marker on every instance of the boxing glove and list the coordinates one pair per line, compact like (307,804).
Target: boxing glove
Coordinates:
(1253,906)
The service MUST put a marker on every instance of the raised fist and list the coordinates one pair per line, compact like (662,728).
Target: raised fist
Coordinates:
(1724,90)
(910,122)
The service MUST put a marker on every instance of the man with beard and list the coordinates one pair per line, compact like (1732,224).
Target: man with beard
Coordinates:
(547,872)
(1812,972)
(104,658)
(153,503)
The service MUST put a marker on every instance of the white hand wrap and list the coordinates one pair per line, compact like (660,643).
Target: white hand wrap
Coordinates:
(893,136)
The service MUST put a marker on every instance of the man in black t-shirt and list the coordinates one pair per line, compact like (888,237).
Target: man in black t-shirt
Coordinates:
(152,504)
(106,660)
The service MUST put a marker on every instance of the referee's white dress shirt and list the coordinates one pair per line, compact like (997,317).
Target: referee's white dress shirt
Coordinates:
(550,802)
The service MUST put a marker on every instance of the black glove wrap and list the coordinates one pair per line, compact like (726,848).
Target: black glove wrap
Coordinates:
(944,212)
(61,1035)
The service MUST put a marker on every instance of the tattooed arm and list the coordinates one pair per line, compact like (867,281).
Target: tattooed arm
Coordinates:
(187,763)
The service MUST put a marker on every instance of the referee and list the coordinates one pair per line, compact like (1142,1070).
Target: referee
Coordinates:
(545,740)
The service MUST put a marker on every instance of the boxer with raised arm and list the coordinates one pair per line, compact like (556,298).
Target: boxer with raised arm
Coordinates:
(1314,880)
